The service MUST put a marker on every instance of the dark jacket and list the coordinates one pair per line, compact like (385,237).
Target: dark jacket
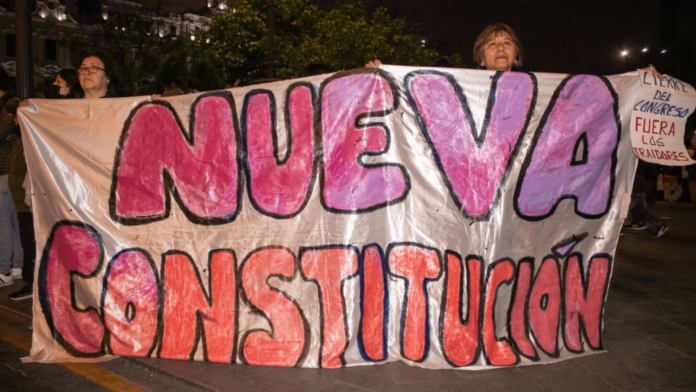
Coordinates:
(639,185)
(8,110)
(18,170)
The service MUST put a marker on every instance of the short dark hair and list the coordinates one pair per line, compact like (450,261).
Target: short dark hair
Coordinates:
(442,61)
(317,69)
(108,65)
(70,77)
(73,81)
(489,33)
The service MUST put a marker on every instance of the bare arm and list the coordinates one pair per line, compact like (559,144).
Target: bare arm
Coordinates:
(373,64)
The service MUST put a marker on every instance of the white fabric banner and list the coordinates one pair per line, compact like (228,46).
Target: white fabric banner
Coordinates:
(447,218)
(659,118)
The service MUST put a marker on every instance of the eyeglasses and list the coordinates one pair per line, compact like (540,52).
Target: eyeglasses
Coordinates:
(89,70)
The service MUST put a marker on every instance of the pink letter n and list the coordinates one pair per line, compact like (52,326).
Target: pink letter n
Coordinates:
(156,156)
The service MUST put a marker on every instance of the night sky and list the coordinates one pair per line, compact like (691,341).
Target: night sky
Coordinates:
(558,36)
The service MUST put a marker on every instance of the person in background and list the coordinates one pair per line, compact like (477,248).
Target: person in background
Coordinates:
(442,62)
(17,174)
(233,84)
(639,209)
(174,90)
(17,171)
(670,182)
(317,69)
(142,90)
(10,250)
(691,169)
(651,175)
(95,76)
(68,84)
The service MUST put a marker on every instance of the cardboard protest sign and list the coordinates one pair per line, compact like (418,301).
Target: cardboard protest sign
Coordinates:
(445,218)
(659,118)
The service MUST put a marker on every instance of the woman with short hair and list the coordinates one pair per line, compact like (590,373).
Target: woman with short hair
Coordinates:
(497,48)
(95,74)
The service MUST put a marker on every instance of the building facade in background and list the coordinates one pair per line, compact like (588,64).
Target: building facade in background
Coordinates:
(55,21)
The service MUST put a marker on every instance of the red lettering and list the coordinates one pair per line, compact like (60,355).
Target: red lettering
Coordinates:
(329,268)
(519,324)
(663,125)
(498,352)
(545,306)
(130,303)
(286,343)
(372,336)
(416,265)
(191,315)
(584,301)
(460,335)
(71,250)
(640,124)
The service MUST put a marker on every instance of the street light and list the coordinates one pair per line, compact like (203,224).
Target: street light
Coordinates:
(664,51)
(645,50)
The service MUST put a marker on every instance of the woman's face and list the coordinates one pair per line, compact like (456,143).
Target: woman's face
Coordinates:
(62,84)
(499,53)
(93,81)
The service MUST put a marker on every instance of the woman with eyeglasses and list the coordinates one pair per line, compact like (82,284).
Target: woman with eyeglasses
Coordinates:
(95,76)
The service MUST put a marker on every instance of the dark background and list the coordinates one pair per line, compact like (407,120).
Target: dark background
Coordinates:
(566,36)
(558,36)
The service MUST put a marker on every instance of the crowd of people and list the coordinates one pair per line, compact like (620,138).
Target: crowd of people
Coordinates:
(497,48)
